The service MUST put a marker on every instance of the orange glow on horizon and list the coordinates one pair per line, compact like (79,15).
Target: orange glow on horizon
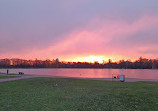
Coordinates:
(95,58)
(90,59)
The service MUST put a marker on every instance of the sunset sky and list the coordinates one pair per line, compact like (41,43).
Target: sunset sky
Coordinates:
(79,30)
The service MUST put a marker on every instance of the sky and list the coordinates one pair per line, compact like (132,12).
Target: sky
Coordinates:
(79,30)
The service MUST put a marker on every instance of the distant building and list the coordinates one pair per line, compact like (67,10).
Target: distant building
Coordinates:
(109,61)
(57,62)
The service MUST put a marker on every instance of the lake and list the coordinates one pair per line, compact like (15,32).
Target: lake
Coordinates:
(90,73)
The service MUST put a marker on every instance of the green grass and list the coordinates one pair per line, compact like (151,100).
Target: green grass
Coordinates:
(39,94)
(4,77)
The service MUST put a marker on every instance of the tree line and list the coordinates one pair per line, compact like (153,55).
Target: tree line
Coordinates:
(141,63)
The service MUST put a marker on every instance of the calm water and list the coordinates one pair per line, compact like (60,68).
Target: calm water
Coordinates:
(90,73)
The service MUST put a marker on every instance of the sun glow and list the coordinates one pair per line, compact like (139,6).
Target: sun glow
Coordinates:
(91,59)
(94,58)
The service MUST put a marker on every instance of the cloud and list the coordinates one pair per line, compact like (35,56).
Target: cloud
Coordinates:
(109,38)
(50,29)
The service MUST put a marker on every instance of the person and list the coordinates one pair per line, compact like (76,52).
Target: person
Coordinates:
(118,76)
(7,71)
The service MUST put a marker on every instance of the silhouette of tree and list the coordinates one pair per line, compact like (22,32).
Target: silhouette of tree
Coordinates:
(141,63)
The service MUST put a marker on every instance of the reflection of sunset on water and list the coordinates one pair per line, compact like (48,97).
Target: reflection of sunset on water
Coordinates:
(90,73)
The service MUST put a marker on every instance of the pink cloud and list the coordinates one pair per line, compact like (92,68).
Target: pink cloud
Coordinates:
(96,38)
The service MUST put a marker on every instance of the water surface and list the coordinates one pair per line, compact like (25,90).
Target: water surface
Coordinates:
(90,73)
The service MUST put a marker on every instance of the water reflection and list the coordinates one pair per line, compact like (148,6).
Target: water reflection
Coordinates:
(90,73)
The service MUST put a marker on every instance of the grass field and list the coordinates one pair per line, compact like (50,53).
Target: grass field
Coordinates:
(41,94)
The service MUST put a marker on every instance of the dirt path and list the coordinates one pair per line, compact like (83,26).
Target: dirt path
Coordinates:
(17,78)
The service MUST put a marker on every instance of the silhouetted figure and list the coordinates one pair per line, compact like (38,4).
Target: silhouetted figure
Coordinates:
(21,73)
(7,71)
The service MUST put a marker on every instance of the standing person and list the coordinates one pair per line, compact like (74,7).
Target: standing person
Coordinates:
(7,71)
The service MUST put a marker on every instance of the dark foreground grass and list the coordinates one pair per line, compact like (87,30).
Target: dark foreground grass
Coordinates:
(40,94)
